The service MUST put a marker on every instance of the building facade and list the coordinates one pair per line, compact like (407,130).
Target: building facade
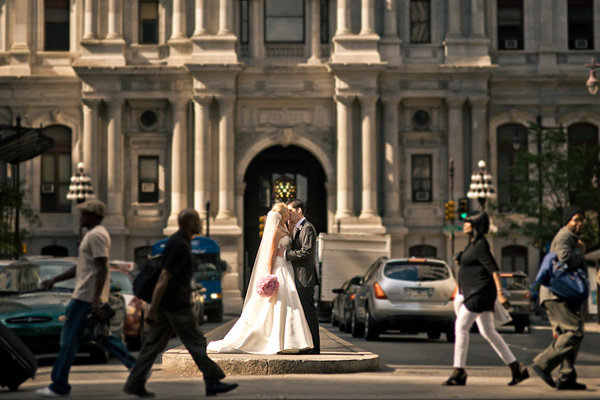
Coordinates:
(361,103)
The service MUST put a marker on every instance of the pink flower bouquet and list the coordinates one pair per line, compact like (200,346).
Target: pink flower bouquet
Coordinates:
(267,285)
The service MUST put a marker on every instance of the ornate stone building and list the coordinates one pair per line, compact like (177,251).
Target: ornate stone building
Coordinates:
(362,103)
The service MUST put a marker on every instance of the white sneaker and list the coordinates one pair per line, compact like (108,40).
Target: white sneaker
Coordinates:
(47,392)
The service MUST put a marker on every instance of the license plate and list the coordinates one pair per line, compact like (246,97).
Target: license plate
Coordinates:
(418,293)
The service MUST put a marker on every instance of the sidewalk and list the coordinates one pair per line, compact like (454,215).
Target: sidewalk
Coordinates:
(337,356)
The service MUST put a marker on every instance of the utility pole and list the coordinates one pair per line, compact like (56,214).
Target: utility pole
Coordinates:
(451,199)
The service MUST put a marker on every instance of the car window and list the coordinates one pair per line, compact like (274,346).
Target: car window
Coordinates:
(416,272)
(515,282)
(372,269)
(28,277)
(205,267)
(122,281)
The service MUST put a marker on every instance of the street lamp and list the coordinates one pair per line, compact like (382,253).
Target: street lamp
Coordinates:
(592,82)
(80,190)
(481,187)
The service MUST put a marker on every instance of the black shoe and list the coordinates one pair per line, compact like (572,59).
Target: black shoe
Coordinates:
(310,351)
(570,385)
(458,378)
(519,373)
(139,392)
(220,387)
(545,375)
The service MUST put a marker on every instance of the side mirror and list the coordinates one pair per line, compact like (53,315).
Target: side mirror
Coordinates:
(336,291)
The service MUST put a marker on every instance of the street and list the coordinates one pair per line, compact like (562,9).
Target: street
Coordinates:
(412,367)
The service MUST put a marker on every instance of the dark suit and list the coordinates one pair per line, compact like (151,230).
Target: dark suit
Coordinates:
(302,256)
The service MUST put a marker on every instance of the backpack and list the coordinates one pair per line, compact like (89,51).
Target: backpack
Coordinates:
(568,283)
(145,281)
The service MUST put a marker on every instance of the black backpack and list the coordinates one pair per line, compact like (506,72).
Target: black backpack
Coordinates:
(145,281)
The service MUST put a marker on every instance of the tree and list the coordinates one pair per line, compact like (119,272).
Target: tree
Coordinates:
(552,179)
(10,199)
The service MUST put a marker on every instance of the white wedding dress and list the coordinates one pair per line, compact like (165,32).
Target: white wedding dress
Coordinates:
(270,325)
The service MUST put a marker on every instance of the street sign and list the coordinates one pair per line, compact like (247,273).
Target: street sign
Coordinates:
(451,228)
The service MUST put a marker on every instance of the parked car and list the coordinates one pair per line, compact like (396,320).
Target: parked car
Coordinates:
(517,288)
(122,279)
(36,315)
(409,295)
(342,304)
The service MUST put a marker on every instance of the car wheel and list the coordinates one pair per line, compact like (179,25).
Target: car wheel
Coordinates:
(342,326)
(357,328)
(371,329)
(215,316)
(519,328)
(98,355)
(334,321)
(434,334)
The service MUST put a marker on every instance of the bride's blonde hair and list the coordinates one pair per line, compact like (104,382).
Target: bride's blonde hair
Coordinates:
(280,207)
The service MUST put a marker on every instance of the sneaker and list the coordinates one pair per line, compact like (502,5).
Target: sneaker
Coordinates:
(47,392)
(545,375)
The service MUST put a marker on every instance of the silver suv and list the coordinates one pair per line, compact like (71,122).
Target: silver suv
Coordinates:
(409,295)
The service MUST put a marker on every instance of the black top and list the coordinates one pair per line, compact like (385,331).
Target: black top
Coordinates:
(475,276)
(177,259)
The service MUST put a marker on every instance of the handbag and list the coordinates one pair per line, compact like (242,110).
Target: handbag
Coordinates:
(99,322)
(501,314)
(567,283)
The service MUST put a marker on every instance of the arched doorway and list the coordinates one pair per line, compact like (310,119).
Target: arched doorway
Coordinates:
(276,162)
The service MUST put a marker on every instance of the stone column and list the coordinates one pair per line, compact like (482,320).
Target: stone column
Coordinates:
(226,159)
(225,17)
(178,30)
(179,161)
(454,18)
(369,158)
(201,153)
(391,164)
(315,32)
(114,18)
(22,13)
(367,25)
(200,27)
(345,208)
(257,44)
(114,161)
(390,25)
(342,18)
(479,132)
(477,19)
(456,144)
(90,139)
(89,27)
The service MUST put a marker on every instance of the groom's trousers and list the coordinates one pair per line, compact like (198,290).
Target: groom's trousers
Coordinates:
(307,298)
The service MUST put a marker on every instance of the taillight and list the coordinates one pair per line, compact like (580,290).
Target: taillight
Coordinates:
(352,296)
(528,295)
(454,292)
(379,293)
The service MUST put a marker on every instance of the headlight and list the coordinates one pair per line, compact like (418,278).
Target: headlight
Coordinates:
(215,296)
(62,318)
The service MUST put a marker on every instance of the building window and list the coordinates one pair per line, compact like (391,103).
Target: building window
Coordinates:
(148,21)
(324,14)
(422,251)
(583,145)
(56,172)
(581,24)
(284,21)
(514,259)
(510,25)
(512,139)
(148,179)
(244,21)
(421,178)
(56,25)
(420,21)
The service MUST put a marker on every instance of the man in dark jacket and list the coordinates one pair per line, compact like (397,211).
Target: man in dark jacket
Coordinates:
(567,322)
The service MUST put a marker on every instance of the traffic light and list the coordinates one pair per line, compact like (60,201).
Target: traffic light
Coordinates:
(449,211)
(261,225)
(463,208)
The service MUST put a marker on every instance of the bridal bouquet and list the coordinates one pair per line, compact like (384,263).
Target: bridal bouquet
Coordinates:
(267,285)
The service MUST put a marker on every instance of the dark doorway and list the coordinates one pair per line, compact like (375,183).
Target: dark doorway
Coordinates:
(54,250)
(274,163)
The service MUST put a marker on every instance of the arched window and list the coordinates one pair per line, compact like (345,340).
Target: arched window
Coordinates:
(56,171)
(583,145)
(55,251)
(514,259)
(422,251)
(512,139)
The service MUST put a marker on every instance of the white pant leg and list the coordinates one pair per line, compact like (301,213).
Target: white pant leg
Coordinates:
(485,323)
(464,321)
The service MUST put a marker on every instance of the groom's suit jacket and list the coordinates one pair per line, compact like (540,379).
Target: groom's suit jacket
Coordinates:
(302,254)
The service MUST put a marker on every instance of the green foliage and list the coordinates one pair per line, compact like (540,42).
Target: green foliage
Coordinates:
(559,178)
(10,198)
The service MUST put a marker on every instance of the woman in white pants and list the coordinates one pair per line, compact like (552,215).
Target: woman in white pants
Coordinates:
(479,283)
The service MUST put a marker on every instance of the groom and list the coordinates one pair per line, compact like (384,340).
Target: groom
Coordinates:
(302,256)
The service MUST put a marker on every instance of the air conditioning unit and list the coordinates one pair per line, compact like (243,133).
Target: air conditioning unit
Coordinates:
(47,188)
(422,195)
(148,187)
(511,44)
(581,44)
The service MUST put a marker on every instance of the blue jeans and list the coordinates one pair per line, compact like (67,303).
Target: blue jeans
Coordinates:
(70,340)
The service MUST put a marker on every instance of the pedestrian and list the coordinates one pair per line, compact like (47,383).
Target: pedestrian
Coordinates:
(566,319)
(171,311)
(480,285)
(92,286)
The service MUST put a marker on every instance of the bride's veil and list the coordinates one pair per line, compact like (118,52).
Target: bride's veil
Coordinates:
(261,267)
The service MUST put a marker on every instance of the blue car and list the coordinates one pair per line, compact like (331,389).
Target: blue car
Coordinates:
(208,268)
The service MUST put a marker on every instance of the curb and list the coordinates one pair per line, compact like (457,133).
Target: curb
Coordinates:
(338,356)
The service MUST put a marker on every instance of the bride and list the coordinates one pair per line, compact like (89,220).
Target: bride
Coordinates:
(276,324)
